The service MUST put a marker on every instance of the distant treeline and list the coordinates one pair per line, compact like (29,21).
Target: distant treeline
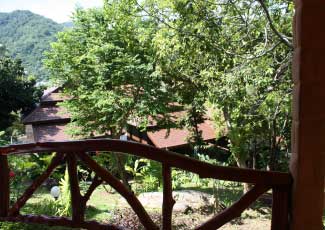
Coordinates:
(26,36)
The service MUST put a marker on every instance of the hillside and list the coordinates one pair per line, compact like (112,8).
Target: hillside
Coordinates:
(26,36)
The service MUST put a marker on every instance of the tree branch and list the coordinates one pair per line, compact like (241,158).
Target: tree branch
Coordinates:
(282,38)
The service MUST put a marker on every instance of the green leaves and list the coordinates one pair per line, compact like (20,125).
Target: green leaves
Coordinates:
(17,92)
(131,59)
(27,36)
(230,54)
(106,65)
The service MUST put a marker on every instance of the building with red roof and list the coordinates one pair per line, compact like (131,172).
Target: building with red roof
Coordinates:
(48,122)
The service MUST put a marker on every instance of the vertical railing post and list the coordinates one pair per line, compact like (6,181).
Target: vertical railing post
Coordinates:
(280,208)
(168,201)
(307,164)
(4,186)
(76,200)
(21,201)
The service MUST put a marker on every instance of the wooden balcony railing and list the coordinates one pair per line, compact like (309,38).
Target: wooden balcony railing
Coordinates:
(280,183)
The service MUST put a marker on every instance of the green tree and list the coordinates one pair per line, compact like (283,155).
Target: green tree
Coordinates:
(254,91)
(108,68)
(17,92)
(27,36)
(118,63)
(236,55)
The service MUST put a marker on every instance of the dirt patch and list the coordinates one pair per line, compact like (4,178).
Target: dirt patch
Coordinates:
(185,200)
(250,220)
(191,209)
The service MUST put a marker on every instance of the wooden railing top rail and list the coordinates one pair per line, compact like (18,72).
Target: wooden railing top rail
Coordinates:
(203,169)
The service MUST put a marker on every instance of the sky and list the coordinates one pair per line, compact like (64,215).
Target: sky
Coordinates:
(58,10)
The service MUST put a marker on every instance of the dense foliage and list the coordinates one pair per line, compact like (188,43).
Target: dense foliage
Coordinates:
(107,66)
(27,36)
(130,59)
(229,56)
(236,55)
(17,91)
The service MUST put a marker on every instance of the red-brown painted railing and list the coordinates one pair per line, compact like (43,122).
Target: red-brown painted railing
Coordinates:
(280,183)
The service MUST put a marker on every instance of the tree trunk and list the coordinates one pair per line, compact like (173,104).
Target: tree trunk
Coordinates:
(120,160)
(255,154)
(242,164)
(273,148)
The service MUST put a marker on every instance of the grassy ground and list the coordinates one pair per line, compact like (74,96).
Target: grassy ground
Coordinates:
(105,206)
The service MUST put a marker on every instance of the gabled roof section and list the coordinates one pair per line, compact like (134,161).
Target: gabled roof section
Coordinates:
(53,98)
(177,137)
(50,114)
(49,91)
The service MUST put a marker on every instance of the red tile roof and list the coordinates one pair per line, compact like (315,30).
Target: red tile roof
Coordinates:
(177,137)
(46,115)
(49,123)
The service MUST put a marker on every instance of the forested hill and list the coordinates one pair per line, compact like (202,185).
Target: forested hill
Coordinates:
(26,36)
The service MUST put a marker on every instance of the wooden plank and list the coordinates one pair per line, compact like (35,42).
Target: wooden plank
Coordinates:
(308,159)
(57,159)
(280,208)
(76,199)
(205,170)
(234,210)
(4,185)
(121,189)
(168,201)
(60,221)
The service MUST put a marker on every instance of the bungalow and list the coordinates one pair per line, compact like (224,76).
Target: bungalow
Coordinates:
(48,122)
